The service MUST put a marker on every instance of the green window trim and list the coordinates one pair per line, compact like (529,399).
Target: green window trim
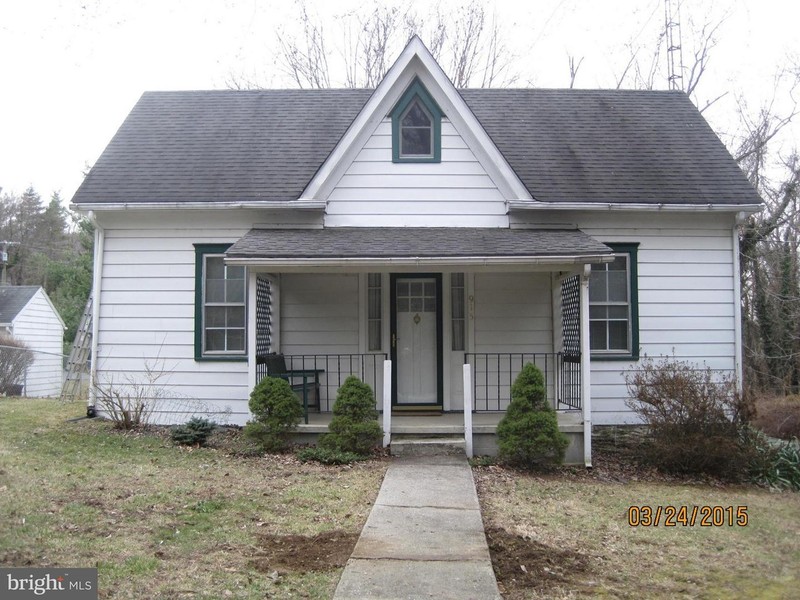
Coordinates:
(417,92)
(201,250)
(632,250)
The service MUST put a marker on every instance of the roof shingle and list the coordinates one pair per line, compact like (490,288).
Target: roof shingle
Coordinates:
(414,242)
(565,146)
(13,298)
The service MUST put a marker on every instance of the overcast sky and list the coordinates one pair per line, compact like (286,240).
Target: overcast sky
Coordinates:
(71,70)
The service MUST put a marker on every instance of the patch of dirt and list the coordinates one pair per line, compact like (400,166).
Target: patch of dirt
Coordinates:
(302,553)
(16,558)
(522,565)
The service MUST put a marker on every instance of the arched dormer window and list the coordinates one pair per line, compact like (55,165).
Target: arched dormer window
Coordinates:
(416,127)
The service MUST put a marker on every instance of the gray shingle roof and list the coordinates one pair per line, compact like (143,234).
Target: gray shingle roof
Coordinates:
(13,299)
(410,242)
(565,145)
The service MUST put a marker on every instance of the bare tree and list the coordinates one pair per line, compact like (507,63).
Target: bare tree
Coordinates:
(305,57)
(769,241)
(573,69)
(470,44)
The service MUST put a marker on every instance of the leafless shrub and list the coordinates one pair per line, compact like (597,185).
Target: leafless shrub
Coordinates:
(149,399)
(779,416)
(15,359)
(698,422)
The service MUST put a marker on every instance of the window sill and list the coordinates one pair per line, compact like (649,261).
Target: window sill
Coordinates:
(421,159)
(613,357)
(220,359)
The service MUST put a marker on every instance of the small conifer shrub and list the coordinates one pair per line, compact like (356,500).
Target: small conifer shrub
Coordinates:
(194,432)
(276,411)
(528,434)
(354,427)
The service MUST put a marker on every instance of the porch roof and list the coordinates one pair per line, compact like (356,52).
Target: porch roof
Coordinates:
(416,245)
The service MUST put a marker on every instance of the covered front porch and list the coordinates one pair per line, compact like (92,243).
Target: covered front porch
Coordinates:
(438,322)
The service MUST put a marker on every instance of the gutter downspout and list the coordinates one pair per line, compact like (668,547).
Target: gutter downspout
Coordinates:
(737,303)
(586,368)
(97,280)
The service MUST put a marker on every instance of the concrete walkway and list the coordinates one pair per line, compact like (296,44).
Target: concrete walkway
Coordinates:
(424,537)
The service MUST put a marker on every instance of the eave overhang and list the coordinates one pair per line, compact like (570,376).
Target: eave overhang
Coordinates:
(633,206)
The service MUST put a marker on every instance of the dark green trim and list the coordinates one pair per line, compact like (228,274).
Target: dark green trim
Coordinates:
(200,250)
(439,335)
(417,90)
(632,250)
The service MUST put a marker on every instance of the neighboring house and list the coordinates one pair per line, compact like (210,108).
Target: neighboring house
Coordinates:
(421,224)
(27,314)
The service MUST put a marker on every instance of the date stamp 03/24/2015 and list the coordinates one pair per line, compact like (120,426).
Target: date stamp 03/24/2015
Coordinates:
(687,516)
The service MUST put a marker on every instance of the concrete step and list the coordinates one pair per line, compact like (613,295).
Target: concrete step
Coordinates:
(428,446)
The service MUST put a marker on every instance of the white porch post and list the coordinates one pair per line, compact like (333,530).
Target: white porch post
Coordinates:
(252,282)
(468,408)
(387,403)
(586,370)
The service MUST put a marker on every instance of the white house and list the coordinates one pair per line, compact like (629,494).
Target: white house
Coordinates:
(27,314)
(416,228)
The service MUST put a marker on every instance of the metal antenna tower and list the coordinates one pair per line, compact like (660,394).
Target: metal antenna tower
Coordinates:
(672,31)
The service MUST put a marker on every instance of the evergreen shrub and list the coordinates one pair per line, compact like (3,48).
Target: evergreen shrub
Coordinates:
(194,432)
(354,426)
(528,434)
(276,411)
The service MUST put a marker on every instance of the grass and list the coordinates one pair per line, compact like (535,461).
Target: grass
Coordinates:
(160,521)
(587,518)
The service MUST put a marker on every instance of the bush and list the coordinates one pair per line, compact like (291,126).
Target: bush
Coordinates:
(277,413)
(194,433)
(354,427)
(528,435)
(328,456)
(15,359)
(776,465)
(779,416)
(697,422)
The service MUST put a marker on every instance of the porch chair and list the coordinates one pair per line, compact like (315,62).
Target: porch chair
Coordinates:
(307,389)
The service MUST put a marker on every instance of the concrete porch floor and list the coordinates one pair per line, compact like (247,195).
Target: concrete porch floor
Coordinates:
(451,423)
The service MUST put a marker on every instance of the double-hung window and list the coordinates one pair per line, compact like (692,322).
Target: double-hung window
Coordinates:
(613,310)
(220,306)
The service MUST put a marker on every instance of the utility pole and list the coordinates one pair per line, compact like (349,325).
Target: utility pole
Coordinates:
(4,258)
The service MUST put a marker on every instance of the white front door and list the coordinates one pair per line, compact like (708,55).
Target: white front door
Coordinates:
(416,334)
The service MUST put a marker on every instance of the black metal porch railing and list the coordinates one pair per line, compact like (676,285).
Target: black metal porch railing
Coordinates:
(494,373)
(331,370)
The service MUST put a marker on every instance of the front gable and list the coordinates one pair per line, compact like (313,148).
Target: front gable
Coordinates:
(462,181)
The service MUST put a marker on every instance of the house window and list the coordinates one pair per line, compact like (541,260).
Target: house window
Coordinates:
(613,306)
(416,126)
(374,312)
(416,132)
(220,307)
(457,297)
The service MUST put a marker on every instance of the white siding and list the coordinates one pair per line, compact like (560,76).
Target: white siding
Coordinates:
(319,313)
(374,191)
(40,328)
(686,294)
(512,313)
(146,312)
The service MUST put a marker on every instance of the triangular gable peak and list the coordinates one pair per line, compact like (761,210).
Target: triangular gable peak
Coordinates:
(365,181)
